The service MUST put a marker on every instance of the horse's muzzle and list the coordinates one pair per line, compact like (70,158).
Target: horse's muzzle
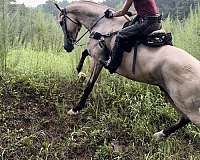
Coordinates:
(69,47)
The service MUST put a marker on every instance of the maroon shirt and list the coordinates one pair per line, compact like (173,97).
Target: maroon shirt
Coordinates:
(146,7)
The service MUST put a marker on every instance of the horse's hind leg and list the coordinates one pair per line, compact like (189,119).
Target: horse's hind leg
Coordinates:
(181,123)
(168,131)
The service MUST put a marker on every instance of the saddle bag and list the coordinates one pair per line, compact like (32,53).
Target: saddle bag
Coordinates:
(158,39)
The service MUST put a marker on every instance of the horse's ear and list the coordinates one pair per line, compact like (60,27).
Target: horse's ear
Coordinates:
(58,7)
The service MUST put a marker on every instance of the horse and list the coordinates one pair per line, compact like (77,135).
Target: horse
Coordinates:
(174,70)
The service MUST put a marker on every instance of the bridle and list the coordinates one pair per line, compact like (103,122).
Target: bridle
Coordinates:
(64,20)
(65,17)
(92,35)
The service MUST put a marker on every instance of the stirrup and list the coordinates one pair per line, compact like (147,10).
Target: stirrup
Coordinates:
(108,65)
(105,62)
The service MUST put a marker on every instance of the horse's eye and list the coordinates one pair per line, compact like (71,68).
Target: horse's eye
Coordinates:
(61,23)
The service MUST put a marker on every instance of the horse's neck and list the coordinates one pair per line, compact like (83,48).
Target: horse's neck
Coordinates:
(88,13)
(87,21)
(104,25)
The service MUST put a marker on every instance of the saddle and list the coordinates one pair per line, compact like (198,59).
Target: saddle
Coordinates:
(155,39)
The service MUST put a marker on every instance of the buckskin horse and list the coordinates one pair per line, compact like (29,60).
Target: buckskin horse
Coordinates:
(174,70)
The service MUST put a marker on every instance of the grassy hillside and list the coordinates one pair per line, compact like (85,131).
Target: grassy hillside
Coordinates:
(118,124)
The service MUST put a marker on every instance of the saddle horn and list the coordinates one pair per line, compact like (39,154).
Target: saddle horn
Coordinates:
(58,7)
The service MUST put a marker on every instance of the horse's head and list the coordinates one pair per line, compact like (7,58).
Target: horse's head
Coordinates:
(70,26)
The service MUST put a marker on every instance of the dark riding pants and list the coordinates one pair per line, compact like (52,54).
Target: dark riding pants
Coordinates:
(141,28)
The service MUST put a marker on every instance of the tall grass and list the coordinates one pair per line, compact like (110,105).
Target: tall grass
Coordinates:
(186,32)
(40,32)
(27,28)
(42,62)
(3,34)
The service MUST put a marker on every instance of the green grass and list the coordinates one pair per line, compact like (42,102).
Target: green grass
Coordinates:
(115,125)
(186,34)
(39,88)
(42,63)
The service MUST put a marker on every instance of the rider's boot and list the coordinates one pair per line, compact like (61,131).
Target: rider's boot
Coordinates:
(116,56)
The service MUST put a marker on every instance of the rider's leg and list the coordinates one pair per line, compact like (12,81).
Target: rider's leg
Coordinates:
(131,32)
(116,55)
(118,49)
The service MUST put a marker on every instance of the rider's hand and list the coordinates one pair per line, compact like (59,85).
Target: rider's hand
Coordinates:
(108,13)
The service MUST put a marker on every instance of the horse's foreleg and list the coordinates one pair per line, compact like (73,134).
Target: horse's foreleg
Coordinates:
(83,56)
(96,69)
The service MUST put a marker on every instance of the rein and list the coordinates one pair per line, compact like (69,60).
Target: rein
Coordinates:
(94,35)
(89,30)
(75,42)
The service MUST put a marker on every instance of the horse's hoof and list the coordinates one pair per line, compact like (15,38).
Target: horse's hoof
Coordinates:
(160,135)
(82,76)
(71,112)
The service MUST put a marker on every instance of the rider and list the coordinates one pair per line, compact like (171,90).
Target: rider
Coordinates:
(147,20)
